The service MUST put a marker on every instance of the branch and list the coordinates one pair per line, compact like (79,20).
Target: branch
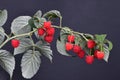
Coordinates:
(21,35)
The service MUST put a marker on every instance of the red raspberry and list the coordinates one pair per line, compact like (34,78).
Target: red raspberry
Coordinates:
(100,54)
(91,44)
(71,38)
(95,53)
(41,31)
(48,38)
(47,25)
(15,43)
(76,48)
(68,46)
(89,59)
(81,53)
(50,31)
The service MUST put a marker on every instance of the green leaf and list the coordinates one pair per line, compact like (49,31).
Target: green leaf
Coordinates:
(25,44)
(100,38)
(2,36)
(65,30)
(20,25)
(30,63)
(110,44)
(3,17)
(7,61)
(38,14)
(80,41)
(38,22)
(89,36)
(52,14)
(63,38)
(61,48)
(45,49)
(107,52)
(64,33)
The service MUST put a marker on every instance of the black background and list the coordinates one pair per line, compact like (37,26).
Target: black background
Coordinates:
(89,16)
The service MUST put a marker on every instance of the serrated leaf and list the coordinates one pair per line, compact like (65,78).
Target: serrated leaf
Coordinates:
(63,38)
(64,33)
(38,22)
(89,36)
(61,48)
(77,39)
(20,25)
(7,61)
(65,30)
(2,36)
(107,52)
(109,44)
(45,49)
(38,14)
(52,14)
(3,17)
(100,38)
(25,44)
(30,63)
(80,41)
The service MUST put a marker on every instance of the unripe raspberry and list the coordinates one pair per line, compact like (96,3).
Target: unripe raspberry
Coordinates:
(47,25)
(91,44)
(15,43)
(48,38)
(81,54)
(50,31)
(41,31)
(68,46)
(89,59)
(76,48)
(71,38)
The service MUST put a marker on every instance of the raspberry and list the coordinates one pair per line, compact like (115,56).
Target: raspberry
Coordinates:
(41,31)
(50,31)
(70,38)
(47,25)
(76,48)
(68,46)
(15,43)
(81,53)
(100,55)
(95,53)
(89,59)
(48,38)
(91,44)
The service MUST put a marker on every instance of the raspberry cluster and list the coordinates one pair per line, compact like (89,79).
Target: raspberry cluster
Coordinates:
(47,31)
(89,58)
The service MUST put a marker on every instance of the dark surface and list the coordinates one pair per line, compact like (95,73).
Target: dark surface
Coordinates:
(91,16)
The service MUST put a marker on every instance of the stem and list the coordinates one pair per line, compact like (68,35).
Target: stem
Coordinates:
(57,27)
(61,22)
(82,34)
(25,34)
(101,47)
(90,51)
(32,42)
(4,34)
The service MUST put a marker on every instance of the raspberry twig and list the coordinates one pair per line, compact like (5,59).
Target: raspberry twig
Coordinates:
(25,34)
